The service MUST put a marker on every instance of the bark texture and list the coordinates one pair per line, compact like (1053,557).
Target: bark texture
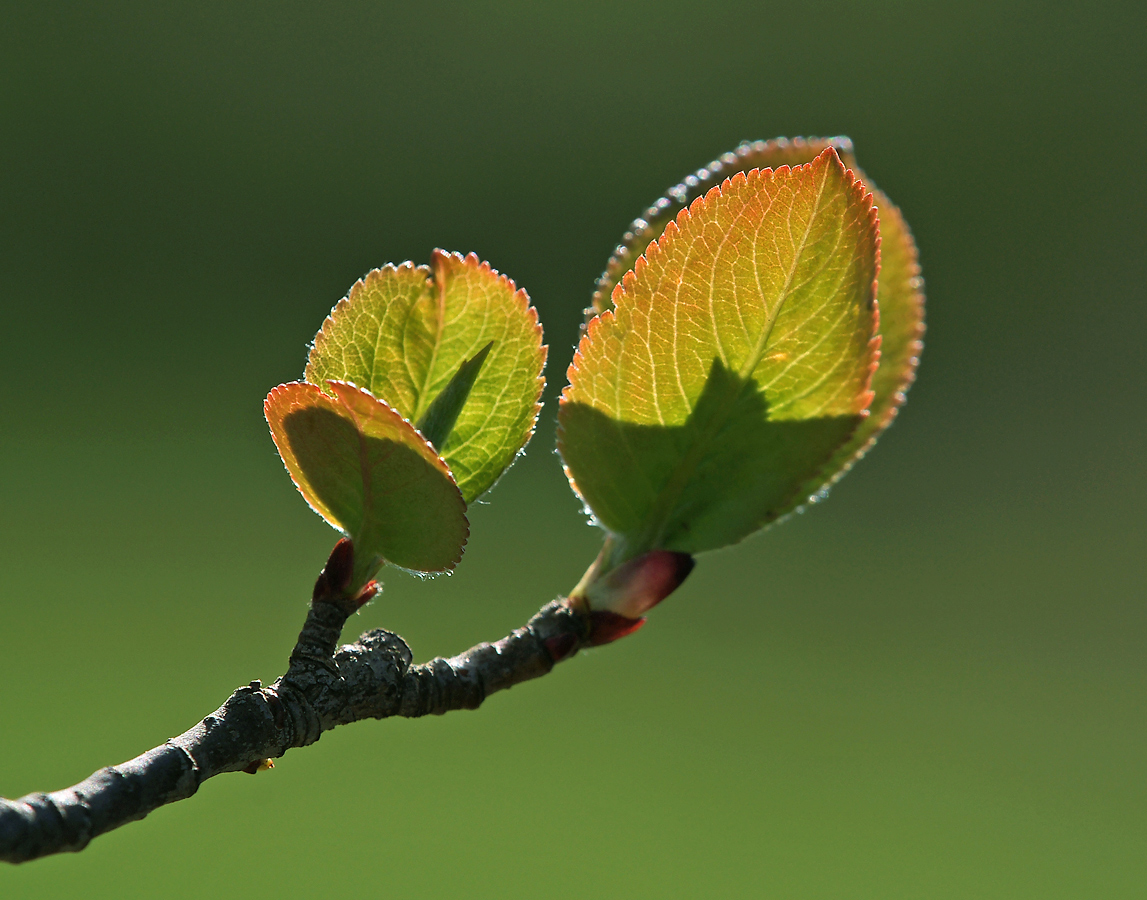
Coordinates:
(325,686)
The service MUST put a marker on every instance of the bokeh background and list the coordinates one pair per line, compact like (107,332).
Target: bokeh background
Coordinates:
(932,685)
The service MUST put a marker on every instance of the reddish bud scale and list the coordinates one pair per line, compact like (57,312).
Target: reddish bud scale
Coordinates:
(366,593)
(606,627)
(335,577)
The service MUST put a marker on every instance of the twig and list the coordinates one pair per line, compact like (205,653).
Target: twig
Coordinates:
(325,686)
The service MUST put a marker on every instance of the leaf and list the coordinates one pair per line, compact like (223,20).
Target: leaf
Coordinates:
(404,332)
(736,363)
(370,474)
(749,155)
(899,289)
(438,421)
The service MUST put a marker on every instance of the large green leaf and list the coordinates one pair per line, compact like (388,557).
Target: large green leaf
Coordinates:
(736,363)
(899,289)
(404,333)
(369,473)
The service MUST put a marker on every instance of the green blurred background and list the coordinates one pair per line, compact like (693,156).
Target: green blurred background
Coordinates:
(931,686)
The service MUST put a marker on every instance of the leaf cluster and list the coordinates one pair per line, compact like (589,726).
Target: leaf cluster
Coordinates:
(750,338)
(420,389)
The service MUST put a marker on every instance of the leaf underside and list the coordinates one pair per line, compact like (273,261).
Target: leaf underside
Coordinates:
(900,289)
(405,332)
(369,473)
(736,363)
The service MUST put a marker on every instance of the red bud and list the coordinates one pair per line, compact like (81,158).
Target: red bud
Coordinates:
(335,577)
(635,587)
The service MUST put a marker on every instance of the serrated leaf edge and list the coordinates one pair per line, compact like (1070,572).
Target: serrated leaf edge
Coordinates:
(374,275)
(907,375)
(437,460)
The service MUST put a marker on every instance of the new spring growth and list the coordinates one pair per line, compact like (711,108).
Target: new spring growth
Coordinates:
(617,601)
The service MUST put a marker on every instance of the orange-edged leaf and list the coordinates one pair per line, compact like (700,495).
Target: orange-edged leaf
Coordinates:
(370,474)
(736,363)
(899,291)
(404,333)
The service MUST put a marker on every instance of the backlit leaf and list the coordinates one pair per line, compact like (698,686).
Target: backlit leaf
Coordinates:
(899,285)
(404,332)
(736,363)
(370,474)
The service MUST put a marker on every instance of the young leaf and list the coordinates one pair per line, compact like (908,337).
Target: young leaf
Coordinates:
(364,468)
(736,363)
(899,289)
(404,333)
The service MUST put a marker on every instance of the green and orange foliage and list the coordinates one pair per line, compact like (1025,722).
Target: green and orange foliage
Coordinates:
(751,337)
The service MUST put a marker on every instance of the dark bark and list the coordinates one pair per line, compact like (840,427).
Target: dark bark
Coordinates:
(325,686)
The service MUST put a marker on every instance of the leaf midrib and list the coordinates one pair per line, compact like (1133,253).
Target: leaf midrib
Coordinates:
(665,504)
(440,284)
(758,352)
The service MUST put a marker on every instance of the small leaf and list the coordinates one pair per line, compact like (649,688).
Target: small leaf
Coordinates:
(899,290)
(404,332)
(736,363)
(371,475)
(438,421)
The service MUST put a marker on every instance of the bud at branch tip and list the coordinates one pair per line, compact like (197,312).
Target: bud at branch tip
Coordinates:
(617,600)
